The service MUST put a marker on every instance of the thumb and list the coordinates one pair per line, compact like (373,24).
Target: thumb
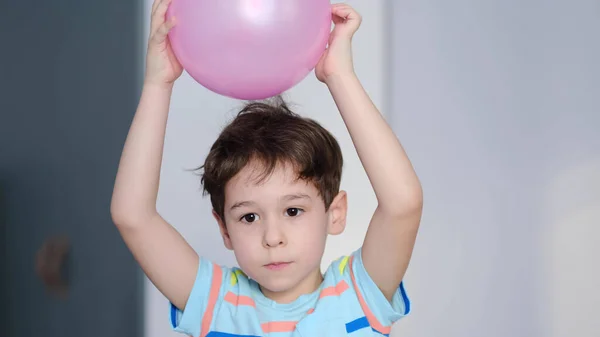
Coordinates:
(345,13)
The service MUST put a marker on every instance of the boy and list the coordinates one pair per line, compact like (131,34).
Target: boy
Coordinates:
(273,178)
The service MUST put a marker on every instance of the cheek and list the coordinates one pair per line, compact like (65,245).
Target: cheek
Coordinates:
(311,234)
(246,244)
(242,237)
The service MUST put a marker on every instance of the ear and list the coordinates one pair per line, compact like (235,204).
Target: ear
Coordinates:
(337,214)
(223,229)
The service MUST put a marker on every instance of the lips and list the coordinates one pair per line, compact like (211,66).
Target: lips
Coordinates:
(277,265)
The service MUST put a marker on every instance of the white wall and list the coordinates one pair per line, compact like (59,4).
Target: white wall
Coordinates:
(196,118)
(498,104)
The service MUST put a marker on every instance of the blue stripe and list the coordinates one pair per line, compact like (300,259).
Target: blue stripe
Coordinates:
(173,316)
(361,323)
(357,324)
(405,299)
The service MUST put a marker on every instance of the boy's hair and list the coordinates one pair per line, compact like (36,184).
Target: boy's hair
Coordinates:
(272,134)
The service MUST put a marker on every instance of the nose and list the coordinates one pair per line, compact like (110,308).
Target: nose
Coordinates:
(274,236)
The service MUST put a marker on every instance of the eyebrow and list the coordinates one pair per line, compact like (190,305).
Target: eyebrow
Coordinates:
(241,204)
(289,197)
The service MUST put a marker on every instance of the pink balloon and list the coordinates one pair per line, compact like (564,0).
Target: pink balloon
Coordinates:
(249,49)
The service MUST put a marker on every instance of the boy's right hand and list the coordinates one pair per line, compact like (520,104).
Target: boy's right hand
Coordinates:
(162,67)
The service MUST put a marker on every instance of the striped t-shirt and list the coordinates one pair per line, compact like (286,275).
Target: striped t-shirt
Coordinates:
(226,303)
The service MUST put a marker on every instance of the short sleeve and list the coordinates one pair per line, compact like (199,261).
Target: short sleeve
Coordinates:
(196,319)
(380,312)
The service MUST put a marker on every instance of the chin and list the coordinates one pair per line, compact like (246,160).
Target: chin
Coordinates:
(277,284)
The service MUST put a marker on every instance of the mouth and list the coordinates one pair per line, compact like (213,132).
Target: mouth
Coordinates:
(277,265)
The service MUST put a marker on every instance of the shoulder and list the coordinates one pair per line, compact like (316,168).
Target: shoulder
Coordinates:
(348,272)
(205,297)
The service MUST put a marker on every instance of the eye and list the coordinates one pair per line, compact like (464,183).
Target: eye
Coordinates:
(249,218)
(293,211)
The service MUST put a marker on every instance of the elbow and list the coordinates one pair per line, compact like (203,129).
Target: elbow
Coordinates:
(408,202)
(414,200)
(124,216)
(410,205)
(119,216)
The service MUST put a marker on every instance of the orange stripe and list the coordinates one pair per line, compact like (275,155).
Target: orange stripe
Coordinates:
(215,288)
(239,300)
(310,311)
(335,291)
(363,304)
(271,327)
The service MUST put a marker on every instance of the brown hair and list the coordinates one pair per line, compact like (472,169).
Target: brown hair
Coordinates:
(272,134)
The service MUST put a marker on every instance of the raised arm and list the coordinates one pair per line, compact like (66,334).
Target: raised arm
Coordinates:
(392,232)
(166,258)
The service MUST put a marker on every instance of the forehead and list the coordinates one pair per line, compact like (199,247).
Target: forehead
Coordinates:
(251,183)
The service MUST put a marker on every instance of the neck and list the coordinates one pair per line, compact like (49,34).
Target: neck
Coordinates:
(306,286)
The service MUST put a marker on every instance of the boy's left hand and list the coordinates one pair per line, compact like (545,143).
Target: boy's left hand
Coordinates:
(337,59)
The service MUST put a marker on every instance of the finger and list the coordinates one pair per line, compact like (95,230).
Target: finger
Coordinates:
(158,16)
(161,33)
(154,5)
(336,19)
(335,16)
(161,7)
(155,21)
(345,12)
(341,4)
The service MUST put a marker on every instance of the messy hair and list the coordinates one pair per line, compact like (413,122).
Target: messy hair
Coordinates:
(271,134)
